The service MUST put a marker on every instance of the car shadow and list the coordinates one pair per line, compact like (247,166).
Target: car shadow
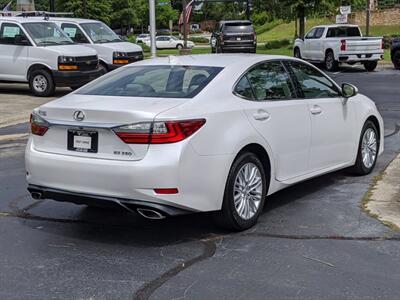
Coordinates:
(23,89)
(117,226)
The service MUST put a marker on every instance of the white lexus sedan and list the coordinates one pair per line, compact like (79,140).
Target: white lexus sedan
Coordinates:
(169,42)
(178,135)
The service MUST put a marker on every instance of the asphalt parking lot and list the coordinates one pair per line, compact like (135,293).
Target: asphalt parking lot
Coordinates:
(313,240)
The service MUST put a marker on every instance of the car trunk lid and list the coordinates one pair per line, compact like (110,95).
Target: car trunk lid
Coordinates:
(82,125)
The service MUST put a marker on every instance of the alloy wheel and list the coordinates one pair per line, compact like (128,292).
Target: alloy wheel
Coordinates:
(247,193)
(369,148)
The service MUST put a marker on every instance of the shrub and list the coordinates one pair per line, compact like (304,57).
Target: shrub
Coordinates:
(276,44)
(199,40)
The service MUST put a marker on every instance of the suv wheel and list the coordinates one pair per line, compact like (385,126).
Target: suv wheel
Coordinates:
(245,193)
(370,65)
(41,83)
(330,63)
(396,59)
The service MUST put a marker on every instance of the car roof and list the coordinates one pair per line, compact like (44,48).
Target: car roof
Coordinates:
(235,21)
(337,25)
(212,60)
(56,19)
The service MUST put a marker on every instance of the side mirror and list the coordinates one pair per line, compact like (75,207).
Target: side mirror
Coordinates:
(349,90)
(21,40)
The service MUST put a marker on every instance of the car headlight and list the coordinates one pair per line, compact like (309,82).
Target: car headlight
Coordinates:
(66,59)
(120,54)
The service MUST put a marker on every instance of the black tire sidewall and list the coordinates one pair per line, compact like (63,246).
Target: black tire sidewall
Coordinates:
(396,60)
(50,83)
(334,63)
(297,53)
(370,65)
(360,168)
(228,207)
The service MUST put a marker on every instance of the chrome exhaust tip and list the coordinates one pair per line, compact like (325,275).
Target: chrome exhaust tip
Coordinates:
(150,214)
(36,195)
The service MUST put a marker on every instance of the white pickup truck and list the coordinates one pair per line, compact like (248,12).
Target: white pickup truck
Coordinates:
(337,44)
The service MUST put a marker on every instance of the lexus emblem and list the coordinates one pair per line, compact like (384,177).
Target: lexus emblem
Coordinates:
(79,115)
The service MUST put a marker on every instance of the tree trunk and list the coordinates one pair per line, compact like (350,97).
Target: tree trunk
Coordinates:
(301,15)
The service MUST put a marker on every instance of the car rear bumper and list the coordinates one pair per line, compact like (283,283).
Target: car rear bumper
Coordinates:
(200,180)
(361,57)
(40,192)
(75,78)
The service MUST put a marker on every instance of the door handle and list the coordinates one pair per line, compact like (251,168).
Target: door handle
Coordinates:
(316,110)
(261,115)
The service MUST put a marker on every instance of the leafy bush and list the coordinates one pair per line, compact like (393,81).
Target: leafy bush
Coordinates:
(199,40)
(387,40)
(145,47)
(276,44)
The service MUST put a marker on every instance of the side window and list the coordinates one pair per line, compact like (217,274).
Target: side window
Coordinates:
(312,82)
(311,33)
(270,81)
(319,32)
(331,33)
(243,88)
(74,33)
(8,32)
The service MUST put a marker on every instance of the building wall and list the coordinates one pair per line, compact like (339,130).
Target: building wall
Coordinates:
(389,16)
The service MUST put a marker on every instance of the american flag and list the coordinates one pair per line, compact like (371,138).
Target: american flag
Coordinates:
(189,7)
(7,7)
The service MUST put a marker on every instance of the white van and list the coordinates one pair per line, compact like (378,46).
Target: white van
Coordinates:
(37,51)
(113,52)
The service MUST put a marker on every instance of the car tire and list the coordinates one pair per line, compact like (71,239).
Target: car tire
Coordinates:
(368,150)
(179,46)
(370,65)
(41,83)
(297,53)
(331,64)
(396,60)
(243,213)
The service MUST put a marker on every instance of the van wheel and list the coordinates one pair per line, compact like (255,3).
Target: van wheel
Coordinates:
(245,193)
(370,65)
(41,83)
(331,64)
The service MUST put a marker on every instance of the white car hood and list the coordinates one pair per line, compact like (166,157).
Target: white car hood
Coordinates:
(72,50)
(122,47)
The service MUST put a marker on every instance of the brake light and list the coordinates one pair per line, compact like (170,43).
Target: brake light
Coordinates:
(343,46)
(158,132)
(166,191)
(383,44)
(39,126)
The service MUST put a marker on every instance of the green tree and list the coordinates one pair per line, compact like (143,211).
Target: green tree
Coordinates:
(91,9)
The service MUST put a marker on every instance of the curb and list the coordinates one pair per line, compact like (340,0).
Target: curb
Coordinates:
(383,199)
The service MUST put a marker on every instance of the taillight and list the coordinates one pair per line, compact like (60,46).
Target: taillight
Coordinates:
(255,37)
(166,191)
(158,132)
(343,45)
(383,44)
(39,126)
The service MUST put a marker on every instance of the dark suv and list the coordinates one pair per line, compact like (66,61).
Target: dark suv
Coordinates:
(395,52)
(234,36)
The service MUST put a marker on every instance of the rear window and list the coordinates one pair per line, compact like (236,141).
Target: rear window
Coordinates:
(238,27)
(343,32)
(153,81)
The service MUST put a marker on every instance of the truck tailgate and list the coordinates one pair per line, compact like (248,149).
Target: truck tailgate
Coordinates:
(363,45)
